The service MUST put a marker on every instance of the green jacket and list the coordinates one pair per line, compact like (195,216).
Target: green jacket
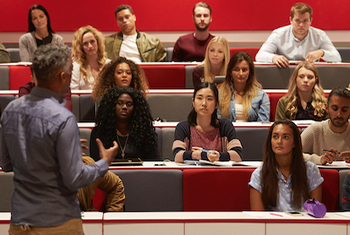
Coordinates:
(281,113)
(150,48)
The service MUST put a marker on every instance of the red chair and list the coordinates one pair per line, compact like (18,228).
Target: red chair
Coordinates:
(252,51)
(165,76)
(216,189)
(330,188)
(274,98)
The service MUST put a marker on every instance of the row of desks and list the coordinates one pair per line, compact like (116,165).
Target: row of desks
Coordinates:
(193,223)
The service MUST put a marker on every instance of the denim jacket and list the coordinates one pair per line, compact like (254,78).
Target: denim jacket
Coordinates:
(258,112)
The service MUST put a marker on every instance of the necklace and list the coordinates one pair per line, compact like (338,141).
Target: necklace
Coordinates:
(122,149)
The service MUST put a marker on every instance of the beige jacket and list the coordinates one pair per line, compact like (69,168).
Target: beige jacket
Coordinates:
(109,183)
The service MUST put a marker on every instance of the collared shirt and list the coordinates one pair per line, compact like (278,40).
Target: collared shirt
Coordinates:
(283,42)
(40,143)
(284,200)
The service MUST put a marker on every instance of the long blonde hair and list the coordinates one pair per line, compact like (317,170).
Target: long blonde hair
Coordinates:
(206,61)
(318,99)
(79,55)
(251,88)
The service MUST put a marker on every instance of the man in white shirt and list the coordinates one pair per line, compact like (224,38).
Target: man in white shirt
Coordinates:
(130,43)
(329,140)
(298,41)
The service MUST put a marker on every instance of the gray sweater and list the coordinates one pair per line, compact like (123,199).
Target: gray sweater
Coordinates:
(27,45)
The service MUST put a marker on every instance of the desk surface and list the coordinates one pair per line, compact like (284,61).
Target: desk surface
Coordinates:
(239,217)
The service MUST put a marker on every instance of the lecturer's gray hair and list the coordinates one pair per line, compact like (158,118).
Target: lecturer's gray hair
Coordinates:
(49,60)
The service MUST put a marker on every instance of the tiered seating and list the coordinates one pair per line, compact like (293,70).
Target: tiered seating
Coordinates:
(195,189)
(179,75)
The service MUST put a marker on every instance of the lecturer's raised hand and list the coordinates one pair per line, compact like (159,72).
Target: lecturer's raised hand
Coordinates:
(107,154)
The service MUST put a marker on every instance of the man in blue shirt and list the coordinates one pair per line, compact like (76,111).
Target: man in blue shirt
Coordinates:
(40,144)
(298,41)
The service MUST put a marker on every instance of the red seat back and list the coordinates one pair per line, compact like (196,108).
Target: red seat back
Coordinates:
(216,189)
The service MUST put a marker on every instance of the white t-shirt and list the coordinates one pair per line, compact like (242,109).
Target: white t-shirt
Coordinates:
(239,113)
(129,49)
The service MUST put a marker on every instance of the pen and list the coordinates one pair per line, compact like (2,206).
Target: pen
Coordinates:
(276,214)
(207,151)
(327,150)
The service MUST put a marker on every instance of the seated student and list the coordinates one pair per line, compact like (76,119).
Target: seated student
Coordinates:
(284,181)
(305,99)
(27,88)
(191,47)
(327,141)
(89,57)
(298,41)
(120,72)
(124,116)
(130,43)
(109,183)
(4,54)
(203,130)
(39,33)
(215,63)
(241,95)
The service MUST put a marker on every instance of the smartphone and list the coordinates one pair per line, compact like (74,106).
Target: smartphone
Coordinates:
(294,213)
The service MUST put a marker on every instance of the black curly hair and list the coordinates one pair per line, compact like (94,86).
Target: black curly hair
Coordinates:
(141,130)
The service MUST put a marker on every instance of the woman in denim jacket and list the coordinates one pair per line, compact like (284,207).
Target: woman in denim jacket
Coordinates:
(241,95)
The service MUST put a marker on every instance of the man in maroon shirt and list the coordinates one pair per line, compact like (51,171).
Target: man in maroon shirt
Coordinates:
(27,88)
(191,47)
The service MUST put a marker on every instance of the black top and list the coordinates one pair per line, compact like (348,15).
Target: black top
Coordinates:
(130,150)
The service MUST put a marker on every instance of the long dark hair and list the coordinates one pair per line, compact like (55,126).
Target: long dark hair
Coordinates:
(31,26)
(269,176)
(141,130)
(192,117)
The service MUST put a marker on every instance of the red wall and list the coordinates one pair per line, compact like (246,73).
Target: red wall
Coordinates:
(160,15)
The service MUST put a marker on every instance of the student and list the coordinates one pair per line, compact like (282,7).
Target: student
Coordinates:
(27,88)
(298,41)
(130,43)
(110,183)
(327,141)
(191,47)
(89,57)
(215,63)
(121,72)
(39,33)
(305,98)
(284,181)
(124,116)
(203,130)
(4,54)
(241,95)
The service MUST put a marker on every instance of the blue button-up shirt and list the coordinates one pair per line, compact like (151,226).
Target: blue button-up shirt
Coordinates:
(40,143)
(284,200)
